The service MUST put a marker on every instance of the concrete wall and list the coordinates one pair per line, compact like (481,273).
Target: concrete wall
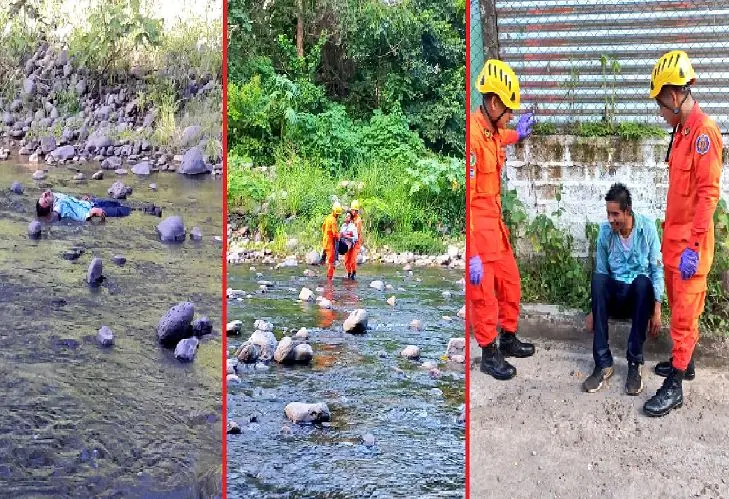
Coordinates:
(582,170)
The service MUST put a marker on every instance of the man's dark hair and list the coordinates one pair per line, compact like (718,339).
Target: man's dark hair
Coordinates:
(42,211)
(620,194)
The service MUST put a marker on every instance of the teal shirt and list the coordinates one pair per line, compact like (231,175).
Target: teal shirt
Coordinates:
(643,258)
(70,207)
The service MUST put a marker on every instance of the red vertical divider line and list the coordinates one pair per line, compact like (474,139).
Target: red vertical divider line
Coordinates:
(224,256)
(467,366)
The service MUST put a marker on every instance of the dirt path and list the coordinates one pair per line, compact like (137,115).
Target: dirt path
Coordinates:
(539,435)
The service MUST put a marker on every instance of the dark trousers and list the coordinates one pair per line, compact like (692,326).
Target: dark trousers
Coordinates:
(611,298)
(112,207)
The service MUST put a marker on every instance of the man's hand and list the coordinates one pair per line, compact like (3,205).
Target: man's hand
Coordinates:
(655,324)
(588,323)
(475,270)
(524,126)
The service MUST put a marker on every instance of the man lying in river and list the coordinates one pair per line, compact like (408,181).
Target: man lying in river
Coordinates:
(84,208)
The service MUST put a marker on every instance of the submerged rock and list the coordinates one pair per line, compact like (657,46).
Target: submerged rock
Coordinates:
(234,327)
(300,412)
(456,350)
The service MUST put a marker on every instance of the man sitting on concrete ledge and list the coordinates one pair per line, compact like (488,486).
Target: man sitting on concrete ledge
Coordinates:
(627,283)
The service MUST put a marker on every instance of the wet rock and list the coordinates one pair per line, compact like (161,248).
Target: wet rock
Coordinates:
(202,327)
(231,364)
(368,440)
(248,353)
(356,323)
(119,190)
(302,334)
(119,260)
(446,294)
(391,301)
(462,312)
(111,163)
(48,144)
(312,258)
(410,352)
(79,176)
(29,86)
(378,285)
(186,349)
(39,175)
(193,163)
(262,325)
(300,412)
(323,302)
(266,341)
(17,188)
(94,275)
(434,372)
(72,254)
(306,294)
(232,379)
(456,350)
(172,229)
(234,327)
(416,325)
(175,324)
(233,428)
(121,171)
(141,168)
(34,158)
(303,353)
(196,234)
(284,353)
(98,175)
(152,187)
(34,229)
(105,337)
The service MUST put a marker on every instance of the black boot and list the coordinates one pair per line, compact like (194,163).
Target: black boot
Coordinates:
(354,276)
(349,275)
(493,363)
(323,258)
(668,397)
(511,346)
(665,368)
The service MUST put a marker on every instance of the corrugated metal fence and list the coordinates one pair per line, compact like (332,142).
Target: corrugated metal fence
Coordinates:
(580,60)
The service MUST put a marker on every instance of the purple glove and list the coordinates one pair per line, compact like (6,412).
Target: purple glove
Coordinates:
(524,126)
(689,263)
(475,270)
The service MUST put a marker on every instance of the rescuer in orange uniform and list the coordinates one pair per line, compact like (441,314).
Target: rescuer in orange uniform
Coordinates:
(694,171)
(350,259)
(495,284)
(330,236)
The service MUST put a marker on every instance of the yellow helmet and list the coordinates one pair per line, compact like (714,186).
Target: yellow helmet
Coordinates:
(673,68)
(355,205)
(498,78)
(337,208)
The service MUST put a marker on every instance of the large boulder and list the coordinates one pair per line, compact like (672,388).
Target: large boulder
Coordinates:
(248,353)
(98,140)
(141,168)
(313,258)
(193,163)
(111,163)
(64,152)
(172,229)
(202,327)
(48,144)
(284,353)
(119,190)
(266,341)
(300,412)
(186,349)
(356,323)
(410,352)
(175,324)
(303,353)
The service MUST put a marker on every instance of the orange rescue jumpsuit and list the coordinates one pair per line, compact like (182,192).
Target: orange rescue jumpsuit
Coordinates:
(350,259)
(694,172)
(496,300)
(330,235)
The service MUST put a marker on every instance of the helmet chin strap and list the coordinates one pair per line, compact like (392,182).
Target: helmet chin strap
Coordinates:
(492,120)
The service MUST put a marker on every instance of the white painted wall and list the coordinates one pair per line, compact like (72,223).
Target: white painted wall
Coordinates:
(584,169)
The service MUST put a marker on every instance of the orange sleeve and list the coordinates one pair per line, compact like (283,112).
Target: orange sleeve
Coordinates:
(484,191)
(509,136)
(708,175)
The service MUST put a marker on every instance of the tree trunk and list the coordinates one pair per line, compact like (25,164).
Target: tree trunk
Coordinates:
(299,28)
(490,29)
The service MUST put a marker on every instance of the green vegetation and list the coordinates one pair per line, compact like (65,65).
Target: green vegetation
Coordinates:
(628,130)
(366,102)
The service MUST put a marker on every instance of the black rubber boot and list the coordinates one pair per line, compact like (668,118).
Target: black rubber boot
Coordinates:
(511,346)
(665,368)
(323,258)
(493,363)
(354,276)
(668,397)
